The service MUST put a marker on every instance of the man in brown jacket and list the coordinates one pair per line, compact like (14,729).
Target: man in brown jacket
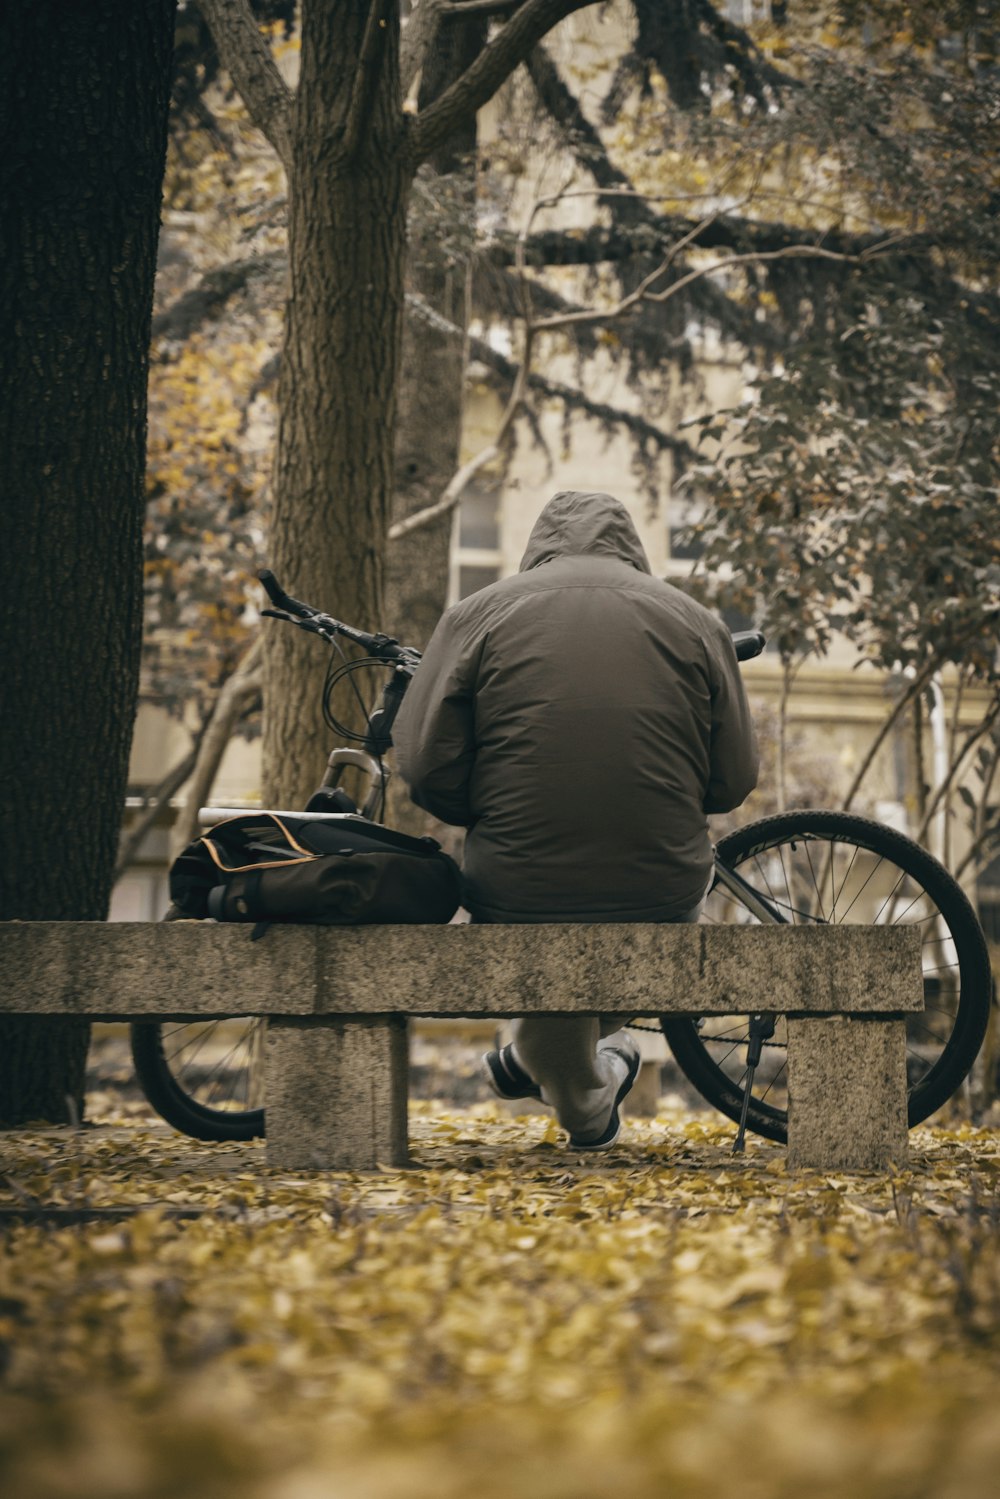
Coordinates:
(580,719)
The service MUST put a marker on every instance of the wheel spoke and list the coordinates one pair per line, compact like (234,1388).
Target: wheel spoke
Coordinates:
(815,867)
(199,1046)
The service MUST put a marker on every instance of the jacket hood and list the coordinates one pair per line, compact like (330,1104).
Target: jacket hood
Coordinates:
(575,524)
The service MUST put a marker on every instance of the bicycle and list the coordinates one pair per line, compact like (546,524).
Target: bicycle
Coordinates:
(794,868)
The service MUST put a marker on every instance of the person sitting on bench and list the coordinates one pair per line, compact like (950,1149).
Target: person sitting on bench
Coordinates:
(579,719)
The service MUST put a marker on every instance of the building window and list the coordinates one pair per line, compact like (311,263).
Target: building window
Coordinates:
(479,521)
(476,559)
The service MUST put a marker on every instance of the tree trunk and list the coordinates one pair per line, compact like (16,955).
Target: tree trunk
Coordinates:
(333,479)
(429,433)
(85,92)
(431,382)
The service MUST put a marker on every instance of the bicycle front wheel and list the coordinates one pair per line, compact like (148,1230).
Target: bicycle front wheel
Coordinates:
(834,868)
(203,1078)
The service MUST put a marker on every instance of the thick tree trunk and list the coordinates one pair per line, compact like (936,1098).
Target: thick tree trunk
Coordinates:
(333,480)
(84,93)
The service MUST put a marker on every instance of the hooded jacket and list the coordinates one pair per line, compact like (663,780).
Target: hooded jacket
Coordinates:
(580,719)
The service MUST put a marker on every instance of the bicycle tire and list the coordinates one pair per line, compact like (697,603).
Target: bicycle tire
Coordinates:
(173,1092)
(203,1102)
(942,1043)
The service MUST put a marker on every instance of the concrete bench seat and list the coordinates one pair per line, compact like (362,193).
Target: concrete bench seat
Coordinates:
(338,999)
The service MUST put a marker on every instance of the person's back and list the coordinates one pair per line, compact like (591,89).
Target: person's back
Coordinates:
(580,720)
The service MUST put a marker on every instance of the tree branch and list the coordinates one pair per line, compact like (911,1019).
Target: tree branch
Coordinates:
(366,77)
(599,244)
(207,300)
(743,54)
(465,475)
(643,430)
(248,61)
(458,9)
(562,105)
(235,696)
(491,68)
(957,760)
(152,804)
(980,853)
(913,689)
(644,292)
(418,37)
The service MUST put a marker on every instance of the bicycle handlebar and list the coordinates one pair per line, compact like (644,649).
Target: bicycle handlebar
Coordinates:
(405,659)
(281,599)
(318,623)
(747,643)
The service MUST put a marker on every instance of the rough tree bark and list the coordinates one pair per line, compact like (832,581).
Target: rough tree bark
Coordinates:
(347,193)
(83,100)
(431,380)
(429,430)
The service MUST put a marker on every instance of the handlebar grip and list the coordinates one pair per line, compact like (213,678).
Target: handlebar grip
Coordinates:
(279,597)
(748,643)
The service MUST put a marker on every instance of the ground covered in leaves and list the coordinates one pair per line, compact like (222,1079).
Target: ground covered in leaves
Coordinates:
(503,1319)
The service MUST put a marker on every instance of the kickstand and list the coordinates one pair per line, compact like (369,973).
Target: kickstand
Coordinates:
(761,1030)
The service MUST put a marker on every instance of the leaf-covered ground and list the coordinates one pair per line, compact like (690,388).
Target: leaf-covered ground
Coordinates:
(503,1319)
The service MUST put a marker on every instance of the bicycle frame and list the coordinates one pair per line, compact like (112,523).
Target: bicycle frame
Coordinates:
(745,893)
(339,760)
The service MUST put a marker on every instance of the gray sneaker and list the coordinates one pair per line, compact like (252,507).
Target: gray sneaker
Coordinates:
(632,1058)
(507,1077)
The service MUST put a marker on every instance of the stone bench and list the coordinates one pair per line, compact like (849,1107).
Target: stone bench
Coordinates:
(338,999)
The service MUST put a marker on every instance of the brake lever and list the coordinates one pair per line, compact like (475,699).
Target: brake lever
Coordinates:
(316,624)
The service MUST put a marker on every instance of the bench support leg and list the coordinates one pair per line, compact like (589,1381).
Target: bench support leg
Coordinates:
(846,1093)
(336,1093)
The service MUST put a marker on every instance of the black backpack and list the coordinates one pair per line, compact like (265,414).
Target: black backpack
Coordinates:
(332,869)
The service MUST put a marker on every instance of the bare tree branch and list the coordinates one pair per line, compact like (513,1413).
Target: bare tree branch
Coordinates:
(491,68)
(957,760)
(457,9)
(911,693)
(562,105)
(914,687)
(366,76)
(644,293)
(152,804)
(643,430)
(465,475)
(599,244)
(418,37)
(247,58)
(235,697)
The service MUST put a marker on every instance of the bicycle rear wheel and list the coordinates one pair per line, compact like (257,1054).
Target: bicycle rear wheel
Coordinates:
(832,867)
